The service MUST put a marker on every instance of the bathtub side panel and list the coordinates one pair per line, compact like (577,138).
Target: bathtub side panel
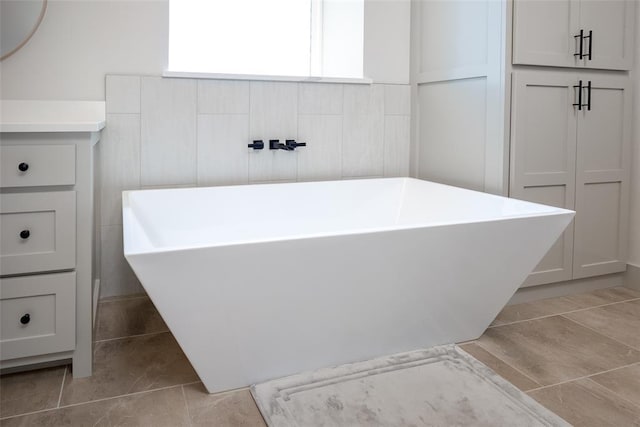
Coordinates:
(248,313)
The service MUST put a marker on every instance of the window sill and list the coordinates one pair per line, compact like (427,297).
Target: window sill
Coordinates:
(303,79)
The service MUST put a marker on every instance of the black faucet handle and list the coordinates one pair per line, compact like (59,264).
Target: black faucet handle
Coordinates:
(257,144)
(292,144)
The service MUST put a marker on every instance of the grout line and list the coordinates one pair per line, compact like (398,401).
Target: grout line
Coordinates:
(186,405)
(250,136)
(64,377)
(133,336)
(506,363)
(28,413)
(603,334)
(140,135)
(195,132)
(136,393)
(564,312)
(616,395)
(109,300)
(582,378)
(100,400)
(191,383)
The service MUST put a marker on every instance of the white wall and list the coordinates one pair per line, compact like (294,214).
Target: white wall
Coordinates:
(80,41)
(634,226)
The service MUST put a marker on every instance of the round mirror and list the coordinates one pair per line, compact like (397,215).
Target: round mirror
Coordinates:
(19,20)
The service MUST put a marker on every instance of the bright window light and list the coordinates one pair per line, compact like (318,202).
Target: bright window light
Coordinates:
(305,38)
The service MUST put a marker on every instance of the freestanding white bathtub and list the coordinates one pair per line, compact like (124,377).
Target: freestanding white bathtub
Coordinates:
(262,281)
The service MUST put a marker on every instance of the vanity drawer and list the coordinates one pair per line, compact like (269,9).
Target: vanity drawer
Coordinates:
(37,315)
(37,165)
(38,232)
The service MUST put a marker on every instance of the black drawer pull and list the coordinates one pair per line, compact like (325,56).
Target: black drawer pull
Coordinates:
(23,167)
(580,53)
(579,104)
(24,234)
(26,318)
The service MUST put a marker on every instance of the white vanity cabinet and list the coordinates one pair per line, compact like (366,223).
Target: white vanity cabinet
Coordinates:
(576,157)
(49,275)
(574,33)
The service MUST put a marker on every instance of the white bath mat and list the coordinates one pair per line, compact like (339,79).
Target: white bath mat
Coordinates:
(442,386)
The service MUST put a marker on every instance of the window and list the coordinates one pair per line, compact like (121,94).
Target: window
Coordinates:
(298,38)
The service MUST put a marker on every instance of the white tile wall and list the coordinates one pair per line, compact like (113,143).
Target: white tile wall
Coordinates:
(321,159)
(120,163)
(123,94)
(273,114)
(396,145)
(363,131)
(117,278)
(222,149)
(223,97)
(185,132)
(168,131)
(397,100)
(320,98)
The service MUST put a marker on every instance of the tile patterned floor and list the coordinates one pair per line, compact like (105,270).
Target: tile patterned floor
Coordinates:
(577,355)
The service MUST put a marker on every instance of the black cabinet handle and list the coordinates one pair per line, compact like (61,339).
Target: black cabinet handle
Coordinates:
(588,105)
(580,53)
(579,103)
(258,144)
(23,167)
(24,234)
(26,318)
(590,37)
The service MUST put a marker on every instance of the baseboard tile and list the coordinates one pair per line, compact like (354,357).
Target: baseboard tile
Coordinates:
(552,290)
(632,276)
(96,298)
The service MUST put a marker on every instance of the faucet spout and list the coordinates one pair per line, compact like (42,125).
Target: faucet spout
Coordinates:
(275,144)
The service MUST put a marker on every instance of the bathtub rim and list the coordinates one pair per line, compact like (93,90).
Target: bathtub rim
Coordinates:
(129,219)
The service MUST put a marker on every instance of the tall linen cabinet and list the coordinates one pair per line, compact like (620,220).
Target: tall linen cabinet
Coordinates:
(531,99)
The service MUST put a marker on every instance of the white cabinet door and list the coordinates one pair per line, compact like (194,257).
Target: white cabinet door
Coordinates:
(543,156)
(611,26)
(543,32)
(602,177)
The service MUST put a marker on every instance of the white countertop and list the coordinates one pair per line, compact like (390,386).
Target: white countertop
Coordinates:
(51,116)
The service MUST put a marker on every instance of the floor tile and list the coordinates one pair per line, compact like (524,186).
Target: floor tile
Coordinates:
(552,306)
(157,408)
(619,321)
(235,408)
(555,349)
(131,365)
(127,317)
(585,403)
(122,297)
(625,382)
(604,296)
(499,367)
(534,309)
(30,391)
